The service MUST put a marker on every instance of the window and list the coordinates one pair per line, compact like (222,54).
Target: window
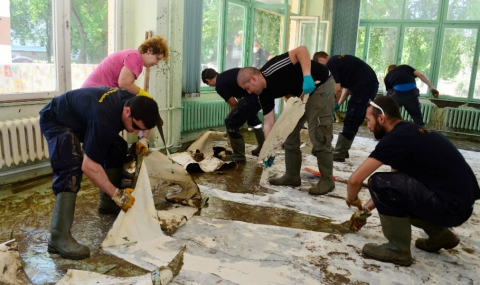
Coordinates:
(439,38)
(36,41)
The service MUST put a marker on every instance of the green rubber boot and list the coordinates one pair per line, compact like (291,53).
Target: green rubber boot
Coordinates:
(326,183)
(238,147)
(398,232)
(259,135)
(293,162)
(61,240)
(438,237)
(106,206)
(341,148)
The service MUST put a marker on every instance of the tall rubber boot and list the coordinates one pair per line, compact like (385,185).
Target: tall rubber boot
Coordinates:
(238,147)
(61,240)
(106,205)
(398,232)
(438,237)
(293,162)
(341,148)
(260,136)
(326,183)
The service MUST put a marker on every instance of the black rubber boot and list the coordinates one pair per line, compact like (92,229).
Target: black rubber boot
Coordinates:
(106,205)
(238,147)
(293,162)
(438,237)
(326,183)
(61,240)
(399,233)
(260,136)
(341,148)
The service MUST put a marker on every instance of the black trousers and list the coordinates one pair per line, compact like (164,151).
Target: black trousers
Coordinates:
(397,194)
(246,110)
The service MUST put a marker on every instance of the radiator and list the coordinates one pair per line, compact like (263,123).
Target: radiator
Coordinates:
(200,115)
(467,119)
(21,141)
(426,110)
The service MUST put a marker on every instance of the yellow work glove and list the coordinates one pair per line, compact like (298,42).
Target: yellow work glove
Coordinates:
(142,146)
(435,92)
(123,198)
(357,203)
(359,219)
(144,93)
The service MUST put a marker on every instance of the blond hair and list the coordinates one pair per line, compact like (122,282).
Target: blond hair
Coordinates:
(158,45)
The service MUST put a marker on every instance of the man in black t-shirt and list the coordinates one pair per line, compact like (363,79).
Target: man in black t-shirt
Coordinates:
(293,73)
(82,130)
(431,186)
(234,52)
(357,79)
(401,86)
(244,108)
(260,55)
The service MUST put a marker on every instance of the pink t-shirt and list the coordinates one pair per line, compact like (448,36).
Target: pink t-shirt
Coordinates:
(108,71)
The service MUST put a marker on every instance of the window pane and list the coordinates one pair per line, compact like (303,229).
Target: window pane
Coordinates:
(421,10)
(381,9)
(456,63)
(476,91)
(27,52)
(267,41)
(463,10)
(89,38)
(417,52)
(381,50)
(234,49)
(323,32)
(360,42)
(210,37)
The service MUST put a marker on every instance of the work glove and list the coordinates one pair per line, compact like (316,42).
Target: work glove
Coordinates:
(359,219)
(357,203)
(144,93)
(336,107)
(142,146)
(434,92)
(269,162)
(308,84)
(123,198)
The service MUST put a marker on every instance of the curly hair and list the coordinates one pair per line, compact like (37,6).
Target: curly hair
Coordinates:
(158,45)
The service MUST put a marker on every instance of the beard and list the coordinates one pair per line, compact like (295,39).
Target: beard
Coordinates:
(379,131)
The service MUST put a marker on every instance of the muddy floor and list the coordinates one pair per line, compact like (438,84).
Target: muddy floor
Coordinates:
(25,211)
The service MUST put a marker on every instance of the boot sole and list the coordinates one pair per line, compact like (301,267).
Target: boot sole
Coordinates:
(52,249)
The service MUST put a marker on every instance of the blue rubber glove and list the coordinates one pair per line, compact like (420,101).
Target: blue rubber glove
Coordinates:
(308,84)
(336,107)
(269,162)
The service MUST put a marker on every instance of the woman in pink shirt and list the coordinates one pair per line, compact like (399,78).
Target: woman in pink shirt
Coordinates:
(122,68)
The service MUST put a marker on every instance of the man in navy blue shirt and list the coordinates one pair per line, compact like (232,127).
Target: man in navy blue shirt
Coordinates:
(244,108)
(353,77)
(294,73)
(431,186)
(401,86)
(82,130)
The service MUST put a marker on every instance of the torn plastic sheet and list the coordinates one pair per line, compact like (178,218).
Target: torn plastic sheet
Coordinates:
(200,154)
(12,271)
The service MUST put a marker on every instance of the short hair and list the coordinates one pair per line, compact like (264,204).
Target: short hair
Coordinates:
(245,73)
(389,106)
(390,67)
(208,73)
(158,45)
(239,33)
(319,54)
(144,109)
